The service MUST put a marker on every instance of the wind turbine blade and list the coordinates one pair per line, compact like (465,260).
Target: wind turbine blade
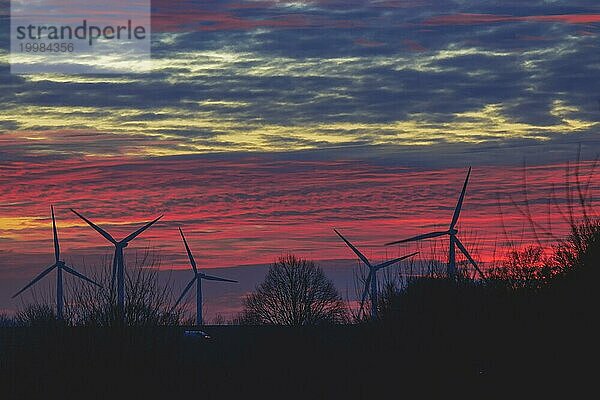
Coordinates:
(189,252)
(142,229)
(187,288)
(40,276)
(419,237)
(394,261)
(216,278)
(364,295)
(354,249)
(460,201)
(466,253)
(96,228)
(80,275)
(56,246)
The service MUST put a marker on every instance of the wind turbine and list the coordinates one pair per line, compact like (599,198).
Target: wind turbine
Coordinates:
(118,269)
(198,276)
(372,277)
(452,232)
(60,266)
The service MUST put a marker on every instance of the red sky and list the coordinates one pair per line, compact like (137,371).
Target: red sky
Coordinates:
(467,19)
(251,210)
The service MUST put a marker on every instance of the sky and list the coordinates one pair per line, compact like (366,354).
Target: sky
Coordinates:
(265,124)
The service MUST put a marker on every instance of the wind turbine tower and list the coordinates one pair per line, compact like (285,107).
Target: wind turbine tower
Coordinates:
(198,277)
(118,269)
(452,232)
(371,281)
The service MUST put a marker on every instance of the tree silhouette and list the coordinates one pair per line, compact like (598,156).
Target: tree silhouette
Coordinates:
(295,292)
(148,301)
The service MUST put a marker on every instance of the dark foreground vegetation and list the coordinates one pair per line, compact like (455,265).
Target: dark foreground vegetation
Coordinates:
(527,330)
(455,352)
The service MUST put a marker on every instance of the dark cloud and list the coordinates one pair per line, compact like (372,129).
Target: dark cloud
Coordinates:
(375,62)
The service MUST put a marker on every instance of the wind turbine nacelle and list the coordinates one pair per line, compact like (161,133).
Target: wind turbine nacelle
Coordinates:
(123,245)
(453,231)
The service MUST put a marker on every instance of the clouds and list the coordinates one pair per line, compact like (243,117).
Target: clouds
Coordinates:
(475,19)
(248,209)
(272,84)
(264,88)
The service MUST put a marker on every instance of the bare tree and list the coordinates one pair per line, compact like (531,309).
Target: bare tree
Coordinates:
(294,292)
(581,249)
(528,268)
(38,315)
(148,301)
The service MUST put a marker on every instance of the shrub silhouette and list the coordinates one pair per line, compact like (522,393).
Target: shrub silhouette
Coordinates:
(578,256)
(147,301)
(38,315)
(295,292)
(580,252)
(6,321)
(524,269)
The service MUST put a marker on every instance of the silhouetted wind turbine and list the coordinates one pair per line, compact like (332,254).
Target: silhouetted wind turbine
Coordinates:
(60,266)
(452,232)
(118,269)
(372,277)
(198,276)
